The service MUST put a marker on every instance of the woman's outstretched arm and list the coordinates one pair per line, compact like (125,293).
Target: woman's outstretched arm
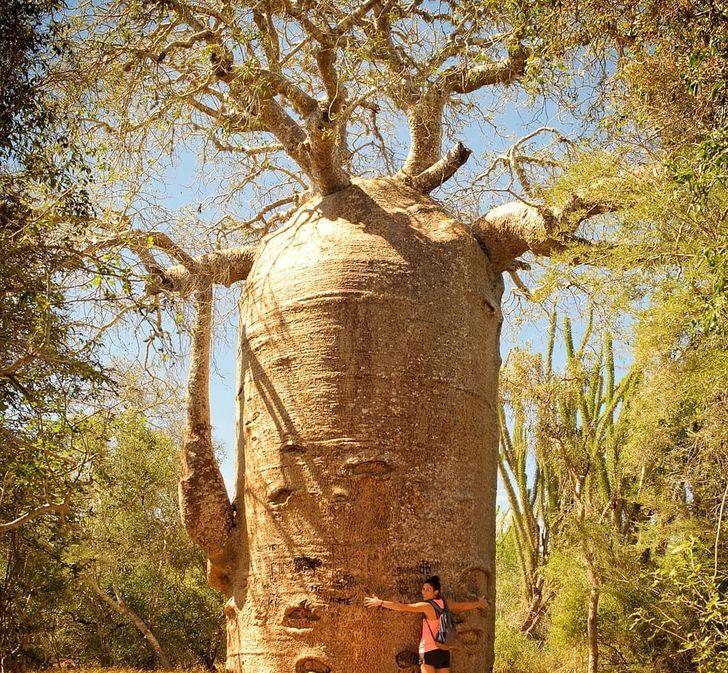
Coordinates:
(374,602)
(468,605)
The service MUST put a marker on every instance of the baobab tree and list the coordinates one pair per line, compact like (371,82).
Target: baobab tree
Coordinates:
(370,315)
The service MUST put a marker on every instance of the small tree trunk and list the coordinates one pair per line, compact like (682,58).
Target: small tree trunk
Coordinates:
(125,611)
(536,608)
(592,630)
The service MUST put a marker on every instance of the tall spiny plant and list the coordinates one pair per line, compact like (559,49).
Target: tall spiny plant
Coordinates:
(584,425)
(531,507)
(569,452)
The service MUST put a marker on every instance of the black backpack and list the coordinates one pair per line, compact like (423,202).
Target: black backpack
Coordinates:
(447,631)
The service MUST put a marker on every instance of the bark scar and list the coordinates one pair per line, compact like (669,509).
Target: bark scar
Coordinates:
(300,616)
(369,467)
(280,497)
(312,665)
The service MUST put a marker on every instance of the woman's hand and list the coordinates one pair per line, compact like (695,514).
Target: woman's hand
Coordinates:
(372,602)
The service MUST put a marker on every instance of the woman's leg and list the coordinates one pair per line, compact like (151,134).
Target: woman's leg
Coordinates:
(442,670)
(427,669)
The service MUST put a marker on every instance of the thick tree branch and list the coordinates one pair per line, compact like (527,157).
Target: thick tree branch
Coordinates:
(423,105)
(335,91)
(424,119)
(384,49)
(462,79)
(425,109)
(510,230)
(50,508)
(220,267)
(269,37)
(442,170)
(317,149)
(330,39)
(327,169)
(207,513)
(275,83)
(289,133)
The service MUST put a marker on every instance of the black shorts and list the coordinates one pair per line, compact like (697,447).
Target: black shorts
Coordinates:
(437,658)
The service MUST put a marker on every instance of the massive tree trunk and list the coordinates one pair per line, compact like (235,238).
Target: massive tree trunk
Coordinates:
(368,434)
(367,420)
(367,424)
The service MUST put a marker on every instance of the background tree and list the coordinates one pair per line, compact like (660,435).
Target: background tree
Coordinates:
(159,594)
(121,585)
(46,372)
(532,490)
(43,209)
(674,84)
(668,258)
(575,445)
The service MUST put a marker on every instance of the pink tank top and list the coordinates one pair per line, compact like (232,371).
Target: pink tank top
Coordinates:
(427,640)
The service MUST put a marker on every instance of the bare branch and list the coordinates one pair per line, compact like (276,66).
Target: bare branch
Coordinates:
(191,41)
(50,508)
(120,606)
(269,37)
(220,267)
(243,149)
(261,215)
(462,79)
(14,367)
(135,239)
(335,92)
(514,160)
(254,76)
